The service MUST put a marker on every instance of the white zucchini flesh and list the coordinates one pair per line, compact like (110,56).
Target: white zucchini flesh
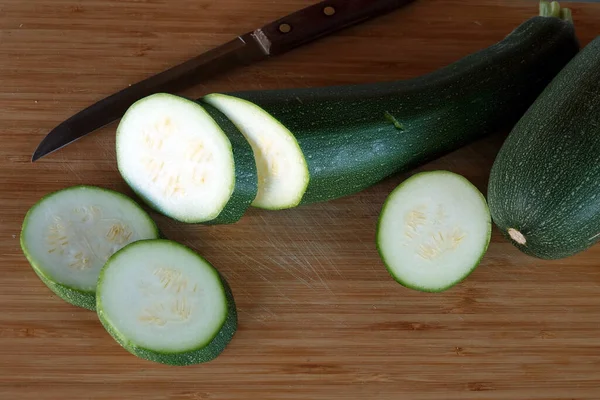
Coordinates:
(282,169)
(162,301)
(433,230)
(69,234)
(174,155)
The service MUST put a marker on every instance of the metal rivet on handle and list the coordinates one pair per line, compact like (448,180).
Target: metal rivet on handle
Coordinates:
(285,28)
(329,10)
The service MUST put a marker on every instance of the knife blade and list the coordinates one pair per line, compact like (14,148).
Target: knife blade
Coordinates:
(275,38)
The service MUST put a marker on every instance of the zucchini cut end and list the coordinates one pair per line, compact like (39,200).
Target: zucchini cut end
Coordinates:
(282,169)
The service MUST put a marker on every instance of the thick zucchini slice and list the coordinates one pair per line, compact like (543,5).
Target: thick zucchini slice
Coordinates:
(353,136)
(163,302)
(433,230)
(68,236)
(183,162)
(544,187)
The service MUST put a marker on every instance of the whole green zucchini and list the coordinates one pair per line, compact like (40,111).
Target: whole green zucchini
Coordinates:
(544,187)
(318,144)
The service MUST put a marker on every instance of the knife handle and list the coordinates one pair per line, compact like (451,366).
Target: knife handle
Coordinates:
(319,20)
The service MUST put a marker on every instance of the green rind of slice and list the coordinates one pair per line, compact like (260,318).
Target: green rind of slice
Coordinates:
(72,296)
(246,180)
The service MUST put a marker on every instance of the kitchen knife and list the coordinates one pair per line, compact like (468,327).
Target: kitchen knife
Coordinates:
(272,39)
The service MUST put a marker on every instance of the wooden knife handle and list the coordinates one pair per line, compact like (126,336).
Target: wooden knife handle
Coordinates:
(321,19)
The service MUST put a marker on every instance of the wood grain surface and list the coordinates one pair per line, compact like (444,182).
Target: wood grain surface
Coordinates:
(319,316)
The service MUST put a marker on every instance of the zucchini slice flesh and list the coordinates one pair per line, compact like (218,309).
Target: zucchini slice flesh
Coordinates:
(282,170)
(175,156)
(163,302)
(69,235)
(433,230)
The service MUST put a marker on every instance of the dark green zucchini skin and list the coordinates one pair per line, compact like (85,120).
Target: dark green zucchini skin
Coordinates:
(545,181)
(354,136)
(246,177)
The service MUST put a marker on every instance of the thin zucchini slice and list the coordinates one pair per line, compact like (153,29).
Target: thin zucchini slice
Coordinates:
(68,236)
(163,302)
(282,170)
(433,230)
(182,163)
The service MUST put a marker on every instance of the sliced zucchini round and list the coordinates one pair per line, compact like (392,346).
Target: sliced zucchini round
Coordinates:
(68,235)
(163,302)
(176,157)
(282,169)
(433,230)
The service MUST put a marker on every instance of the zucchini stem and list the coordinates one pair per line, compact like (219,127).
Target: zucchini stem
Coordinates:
(565,14)
(553,9)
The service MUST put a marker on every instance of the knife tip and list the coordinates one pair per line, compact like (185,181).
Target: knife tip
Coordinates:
(51,142)
(41,151)
(37,154)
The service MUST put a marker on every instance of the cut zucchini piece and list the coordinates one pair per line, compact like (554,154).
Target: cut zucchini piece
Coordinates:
(181,162)
(353,136)
(433,230)
(163,302)
(282,170)
(68,236)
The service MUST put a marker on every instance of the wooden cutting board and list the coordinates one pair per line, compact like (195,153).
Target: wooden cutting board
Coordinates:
(319,316)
